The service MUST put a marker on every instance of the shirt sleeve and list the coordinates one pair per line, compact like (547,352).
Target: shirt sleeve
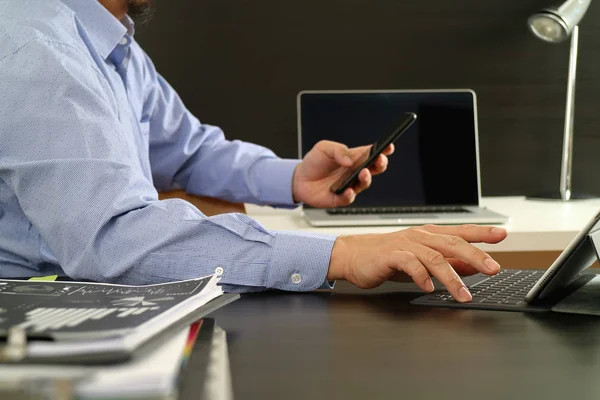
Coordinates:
(185,153)
(78,182)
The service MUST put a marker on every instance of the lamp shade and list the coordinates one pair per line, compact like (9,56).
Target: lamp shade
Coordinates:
(555,24)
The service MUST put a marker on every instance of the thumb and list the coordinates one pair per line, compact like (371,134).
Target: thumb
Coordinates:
(336,151)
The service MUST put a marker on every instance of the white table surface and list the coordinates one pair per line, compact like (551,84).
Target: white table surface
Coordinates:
(533,225)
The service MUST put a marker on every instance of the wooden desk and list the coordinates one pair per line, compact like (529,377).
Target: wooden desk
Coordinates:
(538,230)
(359,344)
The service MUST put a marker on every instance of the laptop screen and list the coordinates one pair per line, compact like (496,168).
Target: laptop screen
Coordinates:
(435,162)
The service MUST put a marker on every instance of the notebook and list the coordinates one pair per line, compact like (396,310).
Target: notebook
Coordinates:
(94,323)
(433,177)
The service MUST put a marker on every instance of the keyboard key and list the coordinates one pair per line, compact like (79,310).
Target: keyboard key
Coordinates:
(395,210)
(436,299)
(478,299)
(513,301)
(507,288)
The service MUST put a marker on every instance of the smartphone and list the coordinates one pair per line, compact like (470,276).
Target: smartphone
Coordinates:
(350,178)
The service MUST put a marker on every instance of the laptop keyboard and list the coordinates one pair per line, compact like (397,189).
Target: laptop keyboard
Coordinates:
(505,290)
(396,210)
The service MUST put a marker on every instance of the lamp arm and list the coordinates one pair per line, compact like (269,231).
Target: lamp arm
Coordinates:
(567,154)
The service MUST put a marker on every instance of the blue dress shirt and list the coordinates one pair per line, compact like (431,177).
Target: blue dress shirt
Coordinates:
(89,130)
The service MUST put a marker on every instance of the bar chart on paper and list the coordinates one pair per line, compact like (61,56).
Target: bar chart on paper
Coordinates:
(74,307)
(43,318)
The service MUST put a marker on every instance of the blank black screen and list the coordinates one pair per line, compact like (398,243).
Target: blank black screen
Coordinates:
(435,162)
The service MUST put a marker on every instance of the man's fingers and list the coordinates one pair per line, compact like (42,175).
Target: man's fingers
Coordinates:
(379,166)
(462,268)
(364,181)
(471,233)
(457,247)
(345,198)
(401,277)
(342,156)
(347,157)
(407,262)
(360,154)
(337,151)
(389,150)
(439,267)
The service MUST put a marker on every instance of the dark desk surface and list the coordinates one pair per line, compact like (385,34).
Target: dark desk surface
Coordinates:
(358,344)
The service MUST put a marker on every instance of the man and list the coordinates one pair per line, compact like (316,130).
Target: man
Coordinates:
(89,129)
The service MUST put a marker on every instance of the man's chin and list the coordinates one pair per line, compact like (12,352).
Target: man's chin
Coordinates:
(141,11)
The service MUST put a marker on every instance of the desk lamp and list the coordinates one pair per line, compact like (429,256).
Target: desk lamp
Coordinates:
(554,25)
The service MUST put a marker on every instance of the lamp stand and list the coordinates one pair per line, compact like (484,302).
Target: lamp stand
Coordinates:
(565,193)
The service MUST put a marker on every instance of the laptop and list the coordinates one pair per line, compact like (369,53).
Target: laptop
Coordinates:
(433,176)
(562,287)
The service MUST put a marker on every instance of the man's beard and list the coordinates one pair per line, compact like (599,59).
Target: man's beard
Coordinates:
(141,11)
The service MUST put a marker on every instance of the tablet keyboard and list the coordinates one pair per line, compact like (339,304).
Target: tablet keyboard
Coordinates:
(506,290)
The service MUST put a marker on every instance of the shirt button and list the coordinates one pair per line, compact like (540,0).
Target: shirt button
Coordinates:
(123,42)
(296,278)
(219,271)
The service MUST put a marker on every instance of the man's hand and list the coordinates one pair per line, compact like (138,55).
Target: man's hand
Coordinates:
(324,164)
(442,251)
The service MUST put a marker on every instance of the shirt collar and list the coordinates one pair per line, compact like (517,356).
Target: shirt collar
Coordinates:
(104,30)
(128,23)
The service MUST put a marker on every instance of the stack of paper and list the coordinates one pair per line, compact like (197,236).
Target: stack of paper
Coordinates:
(93,322)
(153,374)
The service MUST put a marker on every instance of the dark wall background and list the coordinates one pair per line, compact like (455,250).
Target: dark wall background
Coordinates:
(239,64)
